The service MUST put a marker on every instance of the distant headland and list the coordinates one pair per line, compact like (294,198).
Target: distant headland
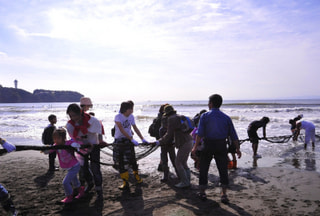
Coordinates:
(15,95)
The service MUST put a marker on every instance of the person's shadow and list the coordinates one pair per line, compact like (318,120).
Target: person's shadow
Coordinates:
(310,161)
(43,180)
(132,202)
(200,207)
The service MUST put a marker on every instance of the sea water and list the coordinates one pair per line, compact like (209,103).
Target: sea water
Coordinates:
(23,124)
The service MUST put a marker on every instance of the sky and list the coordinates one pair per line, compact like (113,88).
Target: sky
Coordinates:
(162,50)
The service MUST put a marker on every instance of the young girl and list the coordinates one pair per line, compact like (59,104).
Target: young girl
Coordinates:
(68,162)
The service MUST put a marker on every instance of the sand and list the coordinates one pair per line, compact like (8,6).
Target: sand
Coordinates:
(277,190)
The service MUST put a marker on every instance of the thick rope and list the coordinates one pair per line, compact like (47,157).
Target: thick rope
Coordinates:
(139,156)
(42,148)
(144,153)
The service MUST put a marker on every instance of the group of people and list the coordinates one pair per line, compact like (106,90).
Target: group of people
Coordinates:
(213,129)
(296,126)
(309,127)
(214,137)
(83,129)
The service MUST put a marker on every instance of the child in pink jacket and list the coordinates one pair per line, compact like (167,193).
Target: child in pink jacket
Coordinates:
(68,162)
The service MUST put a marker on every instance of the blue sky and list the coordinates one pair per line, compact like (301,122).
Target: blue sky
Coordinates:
(162,50)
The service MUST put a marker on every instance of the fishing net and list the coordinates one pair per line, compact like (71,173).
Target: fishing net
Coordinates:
(142,151)
(282,139)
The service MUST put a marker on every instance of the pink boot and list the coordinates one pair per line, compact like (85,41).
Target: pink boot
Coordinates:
(81,192)
(68,199)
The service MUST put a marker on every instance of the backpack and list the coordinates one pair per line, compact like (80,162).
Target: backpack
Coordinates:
(47,135)
(187,125)
(113,131)
(154,128)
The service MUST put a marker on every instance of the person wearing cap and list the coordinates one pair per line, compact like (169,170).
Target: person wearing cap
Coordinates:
(85,173)
(214,129)
(253,136)
(167,149)
(183,142)
(85,103)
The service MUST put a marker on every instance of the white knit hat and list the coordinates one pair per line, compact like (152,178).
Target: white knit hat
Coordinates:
(85,101)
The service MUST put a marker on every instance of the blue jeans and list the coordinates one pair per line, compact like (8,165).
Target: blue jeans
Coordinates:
(71,180)
(3,193)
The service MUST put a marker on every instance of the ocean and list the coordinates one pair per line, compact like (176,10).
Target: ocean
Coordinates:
(23,123)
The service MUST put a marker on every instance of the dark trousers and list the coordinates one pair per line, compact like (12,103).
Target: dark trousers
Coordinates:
(52,157)
(5,200)
(124,154)
(85,174)
(165,150)
(94,165)
(3,193)
(218,150)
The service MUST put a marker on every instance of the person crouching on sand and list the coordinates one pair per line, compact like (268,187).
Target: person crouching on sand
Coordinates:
(68,161)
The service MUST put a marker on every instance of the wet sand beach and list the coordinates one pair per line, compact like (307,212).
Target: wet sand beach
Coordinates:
(276,190)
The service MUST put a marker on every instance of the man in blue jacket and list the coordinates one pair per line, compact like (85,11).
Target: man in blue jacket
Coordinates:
(214,128)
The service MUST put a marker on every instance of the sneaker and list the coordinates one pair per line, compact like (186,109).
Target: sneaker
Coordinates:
(81,193)
(68,199)
(99,200)
(257,156)
(13,213)
(202,196)
(224,199)
(164,179)
(182,185)
(54,169)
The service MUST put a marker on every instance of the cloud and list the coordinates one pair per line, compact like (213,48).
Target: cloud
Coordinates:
(154,45)
(3,55)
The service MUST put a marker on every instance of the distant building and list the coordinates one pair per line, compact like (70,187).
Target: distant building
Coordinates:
(16,83)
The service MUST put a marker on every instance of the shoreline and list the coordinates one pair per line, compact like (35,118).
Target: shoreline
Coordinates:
(276,190)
